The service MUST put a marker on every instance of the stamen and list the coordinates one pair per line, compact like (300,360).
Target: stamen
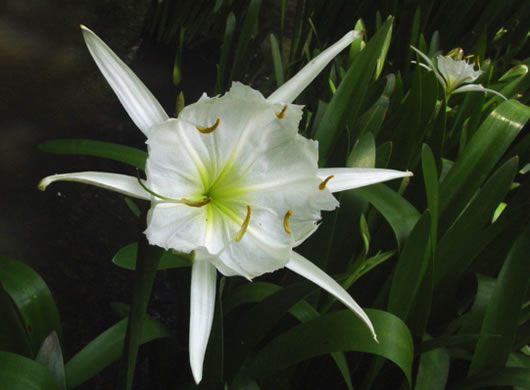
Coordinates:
(207,130)
(322,185)
(187,202)
(193,203)
(244,226)
(281,114)
(151,191)
(286,221)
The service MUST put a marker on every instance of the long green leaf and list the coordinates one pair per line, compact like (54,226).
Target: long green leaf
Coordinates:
(13,336)
(248,33)
(51,356)
(33,300)
(106,348)
(453,253)
(337,331)
(398,212)
(503,310)
(480,155)
(518,377)
(433,370)
(347,101)
(276,61)
(20,373)
(87,147)
(302,311)
(410,268)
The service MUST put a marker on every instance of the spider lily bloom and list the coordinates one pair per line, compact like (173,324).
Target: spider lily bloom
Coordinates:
(230,180)
(455,75)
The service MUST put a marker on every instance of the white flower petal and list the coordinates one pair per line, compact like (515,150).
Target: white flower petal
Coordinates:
(127,185)
(294,87)
(432,66)
(310,271)
(264,247)
(140,104)
(248,127)
(457,72)
(176,226)
(202,307)
(477,88)
(350,178)
(173,168)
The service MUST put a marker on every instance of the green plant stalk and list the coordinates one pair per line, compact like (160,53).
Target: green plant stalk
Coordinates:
(439,133)
(147,261)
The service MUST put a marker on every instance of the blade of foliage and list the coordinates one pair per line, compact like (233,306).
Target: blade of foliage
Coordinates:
(33,300)
(86,147)
(346,103)
(51,356)
(20,373)
(433,370)
(13,336)
(452,256)
(478,158)
(248,33)
(430,178)
(226,49)
(472,320)
(398,212)
(518,377)
(410,268)
(106,348)
(372,120)
(276,61)
(503,310)
(302,311)
(337,331)
(254,325)
(126,258)
(362,154)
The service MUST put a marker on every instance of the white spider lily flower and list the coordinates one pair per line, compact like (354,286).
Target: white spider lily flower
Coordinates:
(456,76)
(230,180)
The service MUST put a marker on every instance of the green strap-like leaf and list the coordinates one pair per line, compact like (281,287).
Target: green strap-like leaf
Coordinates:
(33,300)
(347,101)
(302,311)
(51,356)
(338,331)
(479,156)
(518,377)
(453,257)
(410,268)
(13,335)
(503,310)
(105,349)
(433,370)
(20,373)
(398,212)
(87,147)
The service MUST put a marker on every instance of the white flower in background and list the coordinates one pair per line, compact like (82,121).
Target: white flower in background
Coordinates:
(455,75)
(231,180)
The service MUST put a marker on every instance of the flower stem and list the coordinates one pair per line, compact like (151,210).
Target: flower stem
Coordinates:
(147,260)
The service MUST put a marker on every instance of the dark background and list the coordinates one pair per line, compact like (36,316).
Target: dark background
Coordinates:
(50,88)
